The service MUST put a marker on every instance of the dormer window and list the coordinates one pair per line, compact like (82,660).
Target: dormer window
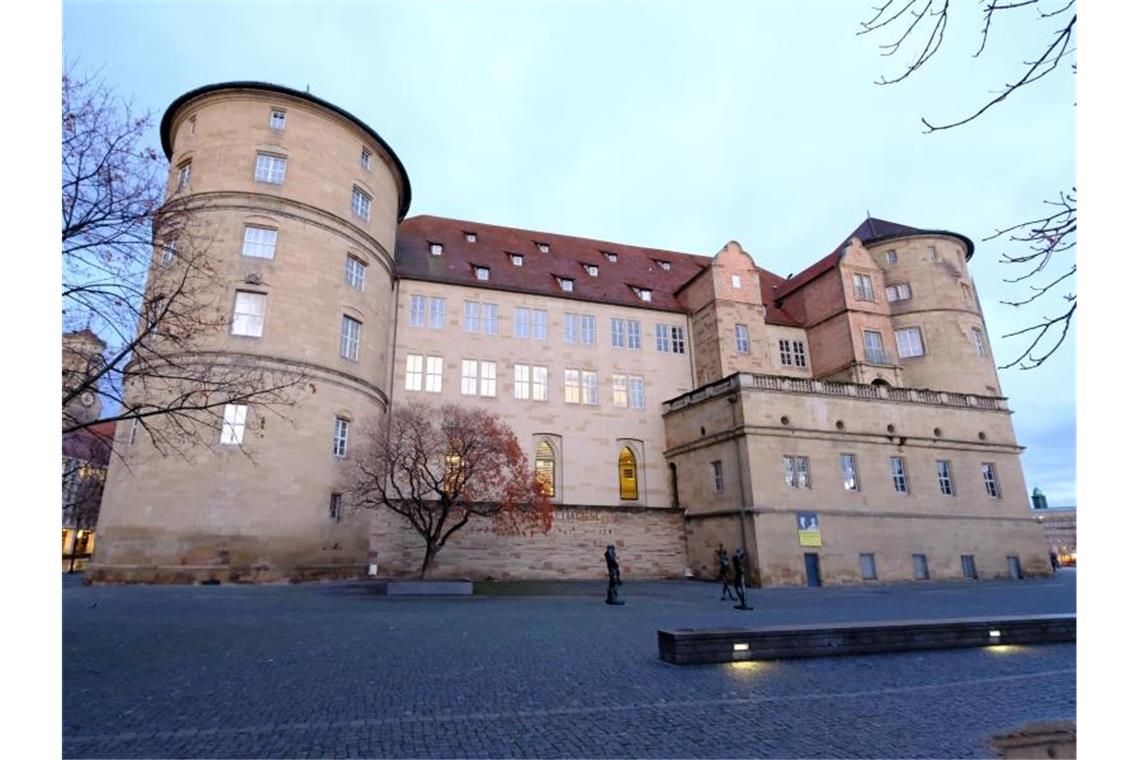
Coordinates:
(470,236)
(482,273)
(611,256)
(664,265)
(436,249)
(644,294)
(516,259)
(591,269)
(542,247)
(566,284)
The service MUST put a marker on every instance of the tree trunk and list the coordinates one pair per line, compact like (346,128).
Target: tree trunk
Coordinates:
(429,555)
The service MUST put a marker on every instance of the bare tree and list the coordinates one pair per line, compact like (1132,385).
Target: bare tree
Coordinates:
(920,26)
(138,278)
(437,467)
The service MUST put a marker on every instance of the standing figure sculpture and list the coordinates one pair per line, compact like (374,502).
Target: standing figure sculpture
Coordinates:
(739,565)
(725,575)
(614,570)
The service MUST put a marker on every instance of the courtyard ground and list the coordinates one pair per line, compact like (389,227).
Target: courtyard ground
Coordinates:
(535,670)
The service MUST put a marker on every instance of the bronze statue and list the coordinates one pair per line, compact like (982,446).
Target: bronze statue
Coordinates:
(740,565)
(614,570)
(722,563)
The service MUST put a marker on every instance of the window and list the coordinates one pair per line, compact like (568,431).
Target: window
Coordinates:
(134,432)
(909,342)
(621,391)
(718,476)
(989,478)
(418,308)
(792,353)
(522,381)
(678,337)
(354,272)
(522,323)
(414,373)
(662,335)
(470,316)
(542,247)
(625,333)
(898,474)
(334,507)
(736,281)
(921,571)
(544,467)
(193,125)
(892,257)
(644,294)
(249,314)
(664,265)
(233,424)
(436,249)
(365,159)
(566,284)
(796,472)
(437,313)
(169,251)
(867,567)
(979,342)
(611,257)
(627,475)
(183,176)
(340,438)
(469,378)
(863,289)
(361,203)
(530,382)
(349,338)
(531,323)
(900,292)
(259,242)
(482,273)
(491,319)
(873,347)
(931,253)
(581,387)
(968,569)
(486,378)
(945,481)
(850,475)
(538,383)
(590,388)
(516,259)
(277,119)
(743,346)
(636,392)
(591,269)
(471,237)
(270,169)
(433,379)
(578,328)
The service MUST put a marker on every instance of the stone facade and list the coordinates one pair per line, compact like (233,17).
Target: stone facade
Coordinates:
(589,347)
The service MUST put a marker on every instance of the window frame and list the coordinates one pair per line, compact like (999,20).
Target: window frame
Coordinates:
(267,173)
(253,318)
(488,380)
(743,340)
(797,472)
(414,372)
(417,310)
(274,113)
(350,331)
(433,374)
(340,437)
(233,420)
(910,332)
(718,475)
(354,266)
(849,483)
(361,204)
(899,475)
(990,480)
(874,355)
(945,475)
(437,313)
(863,287)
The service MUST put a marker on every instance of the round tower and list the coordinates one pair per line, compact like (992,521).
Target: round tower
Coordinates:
(295,203)
(940,333)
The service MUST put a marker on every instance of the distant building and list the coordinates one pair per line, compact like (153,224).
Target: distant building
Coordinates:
(1060,525)
(842,425)
(86,454)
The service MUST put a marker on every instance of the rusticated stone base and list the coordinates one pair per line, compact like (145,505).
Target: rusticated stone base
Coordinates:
(210,574)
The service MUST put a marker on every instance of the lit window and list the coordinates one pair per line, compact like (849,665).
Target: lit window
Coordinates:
(873,347)
(433,377)
(470,316)
(718,476)
(572,386)
(169,251)
(270,169)
(486,378)
(349,338)
(365,159)
(736,281)
(183,176)
(863,289)
(909,342)
(566,284)
(249,314)
(469,378)
(636,392)
(418,308)
(644,294)
(340,438)
(490,319)
(792,353)
(664,265)
(945,481)
(277,119)
(354,272)
(591,269)
(611,257)
(898,474)
(539,383)
(590,388)
(743,345)
(989,478)
(796,472)
(517,259)
(892,257)
(581,387)
(233,423)
(471,237)
(482,273)
(979,342)
(522,381)
(850,476)
(437,313)
(544,467)
(259,242)
(436,249)
(627,475)
(621,391)
(543,247)
(361,203)
(414,373)
(334,507)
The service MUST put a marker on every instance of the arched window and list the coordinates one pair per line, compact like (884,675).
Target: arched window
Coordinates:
(544,467)
(880,381)
(627,474)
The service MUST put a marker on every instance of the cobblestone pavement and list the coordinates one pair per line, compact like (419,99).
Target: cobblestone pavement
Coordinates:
(336,669)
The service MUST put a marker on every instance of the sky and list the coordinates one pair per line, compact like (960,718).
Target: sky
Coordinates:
(670,125)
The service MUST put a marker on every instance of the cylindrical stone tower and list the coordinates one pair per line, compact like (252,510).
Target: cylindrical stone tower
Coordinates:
(299,201)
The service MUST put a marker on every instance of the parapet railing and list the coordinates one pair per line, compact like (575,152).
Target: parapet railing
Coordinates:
(779,383)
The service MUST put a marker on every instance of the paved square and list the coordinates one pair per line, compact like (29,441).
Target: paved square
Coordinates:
(536,670)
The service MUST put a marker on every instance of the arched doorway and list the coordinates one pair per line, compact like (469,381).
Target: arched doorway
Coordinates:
(627,475)
(544,467)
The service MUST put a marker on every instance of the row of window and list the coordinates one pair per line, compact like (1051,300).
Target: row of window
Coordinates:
(531,382)
(797,474)
(233,429)
(908,341)
(249,321)
(864,291)
(869,571)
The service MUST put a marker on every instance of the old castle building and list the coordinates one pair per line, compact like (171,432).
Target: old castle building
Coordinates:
(844,424)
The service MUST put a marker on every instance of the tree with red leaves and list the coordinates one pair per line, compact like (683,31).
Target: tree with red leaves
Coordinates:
(437,467)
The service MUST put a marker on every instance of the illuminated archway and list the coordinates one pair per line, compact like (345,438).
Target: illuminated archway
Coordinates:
(544,467)
(627,475)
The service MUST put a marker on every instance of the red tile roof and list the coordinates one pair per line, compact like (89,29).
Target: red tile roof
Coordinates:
(91,444)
